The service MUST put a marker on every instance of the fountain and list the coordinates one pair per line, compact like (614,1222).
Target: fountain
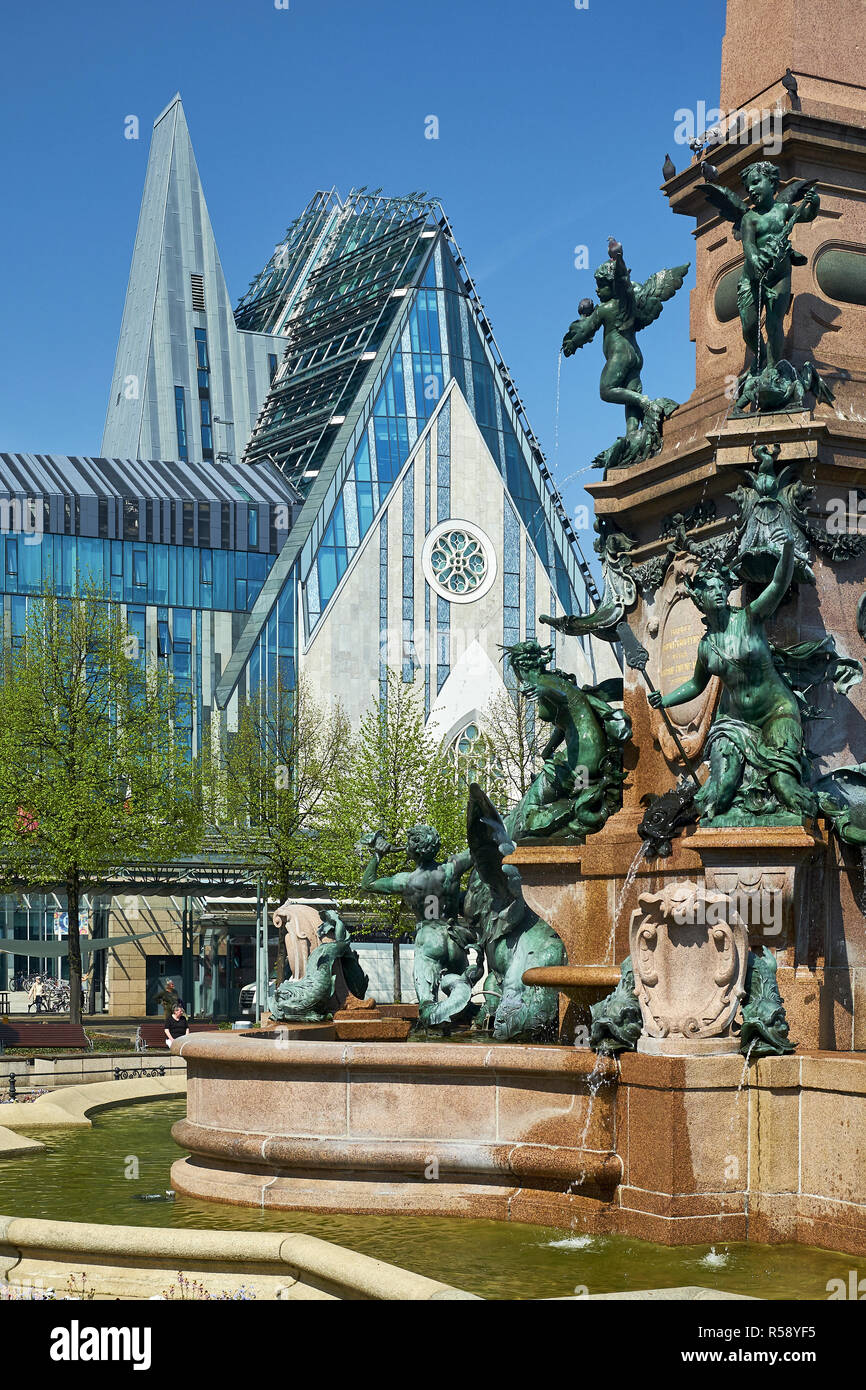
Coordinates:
(685,875)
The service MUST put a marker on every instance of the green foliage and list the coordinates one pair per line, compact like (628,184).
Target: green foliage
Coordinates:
(92,776)
(510,758)
(266,791)
(395,775)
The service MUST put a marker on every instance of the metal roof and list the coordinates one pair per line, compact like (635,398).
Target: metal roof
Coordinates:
(49,475)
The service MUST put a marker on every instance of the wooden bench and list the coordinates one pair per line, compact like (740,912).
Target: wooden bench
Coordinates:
(38,1035)
(153,1034)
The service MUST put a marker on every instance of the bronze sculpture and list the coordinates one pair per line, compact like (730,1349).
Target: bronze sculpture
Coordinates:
(764,293)
(626,307)
(759,772)
(309,999)
(581,782)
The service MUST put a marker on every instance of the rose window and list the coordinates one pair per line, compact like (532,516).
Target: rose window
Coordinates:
(458,562)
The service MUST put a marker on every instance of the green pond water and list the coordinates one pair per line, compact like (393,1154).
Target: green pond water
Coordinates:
(83,1177)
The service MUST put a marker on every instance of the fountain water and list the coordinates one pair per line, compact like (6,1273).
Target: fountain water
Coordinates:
(628,882)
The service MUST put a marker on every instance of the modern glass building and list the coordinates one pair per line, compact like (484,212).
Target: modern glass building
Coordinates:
(361,365)
(335,476)
(184,550)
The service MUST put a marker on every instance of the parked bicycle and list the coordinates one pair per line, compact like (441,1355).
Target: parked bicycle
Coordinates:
(55,994)
(56,999)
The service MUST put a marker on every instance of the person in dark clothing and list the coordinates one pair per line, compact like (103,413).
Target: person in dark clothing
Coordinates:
(168,997)
(176,1026)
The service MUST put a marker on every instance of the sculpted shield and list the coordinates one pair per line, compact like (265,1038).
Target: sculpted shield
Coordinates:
(689,951)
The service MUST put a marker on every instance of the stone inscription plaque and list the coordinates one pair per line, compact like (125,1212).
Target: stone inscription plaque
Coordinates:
(681,632)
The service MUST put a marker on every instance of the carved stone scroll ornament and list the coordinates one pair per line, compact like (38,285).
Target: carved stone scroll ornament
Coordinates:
(689,952)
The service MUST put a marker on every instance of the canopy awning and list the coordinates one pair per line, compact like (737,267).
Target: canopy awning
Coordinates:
(51,950)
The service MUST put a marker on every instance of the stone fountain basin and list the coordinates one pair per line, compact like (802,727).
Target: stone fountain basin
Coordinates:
(578,982)
(679,1150)
(494,1131)
(581,985)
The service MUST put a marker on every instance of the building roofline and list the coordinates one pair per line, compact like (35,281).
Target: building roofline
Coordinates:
(175,101)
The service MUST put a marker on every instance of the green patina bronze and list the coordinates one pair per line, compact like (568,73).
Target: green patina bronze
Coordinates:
(625,308)
(842,799)
(309,999)
(581,782)
(614,548)
(771,511)
(491,918)
(764,1031)
(764,224)
(431,891)
(759,772)
(616,1021)
(513,937)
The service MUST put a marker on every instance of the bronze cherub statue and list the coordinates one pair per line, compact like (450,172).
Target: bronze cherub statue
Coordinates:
(625,308)
(764,290)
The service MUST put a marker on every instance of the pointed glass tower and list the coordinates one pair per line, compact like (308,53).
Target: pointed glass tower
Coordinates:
(187,385)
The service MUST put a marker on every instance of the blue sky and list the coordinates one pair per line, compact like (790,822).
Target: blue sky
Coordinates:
(553,125)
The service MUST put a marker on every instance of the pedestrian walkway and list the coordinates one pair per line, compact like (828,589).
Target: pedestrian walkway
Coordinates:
(18,1001)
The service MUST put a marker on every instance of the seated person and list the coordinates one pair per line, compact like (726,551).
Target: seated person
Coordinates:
(176,1026)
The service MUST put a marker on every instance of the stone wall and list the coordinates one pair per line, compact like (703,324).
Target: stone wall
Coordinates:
(126,973)
(141,1262)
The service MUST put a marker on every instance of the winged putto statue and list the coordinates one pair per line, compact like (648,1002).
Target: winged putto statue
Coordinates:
(764,225)
(626,307)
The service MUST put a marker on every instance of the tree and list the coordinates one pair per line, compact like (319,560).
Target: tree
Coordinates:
(268,788)
(395,775)
(510,748)
(92,772)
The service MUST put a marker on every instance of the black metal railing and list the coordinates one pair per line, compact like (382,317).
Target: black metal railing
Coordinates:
(115,1073)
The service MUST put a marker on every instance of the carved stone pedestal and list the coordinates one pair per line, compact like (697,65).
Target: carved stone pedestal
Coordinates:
(783,881)
(773,874)
(679,1046)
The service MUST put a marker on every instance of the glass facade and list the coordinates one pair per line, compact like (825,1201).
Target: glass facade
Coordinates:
(348,302)
(180,416)
(34,917)
(440,340)
(130,572)
(185,570)
(203,373)
(381,281)
(268,302)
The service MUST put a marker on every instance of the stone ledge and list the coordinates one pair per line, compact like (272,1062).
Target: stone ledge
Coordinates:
(431,1059)
(407,1157)
(679,1205)
(140,1262)
(16,1146)
(694,1293)
(70,1107)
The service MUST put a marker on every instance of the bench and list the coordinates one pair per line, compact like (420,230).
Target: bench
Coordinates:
(153,1034)
(44,1035)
